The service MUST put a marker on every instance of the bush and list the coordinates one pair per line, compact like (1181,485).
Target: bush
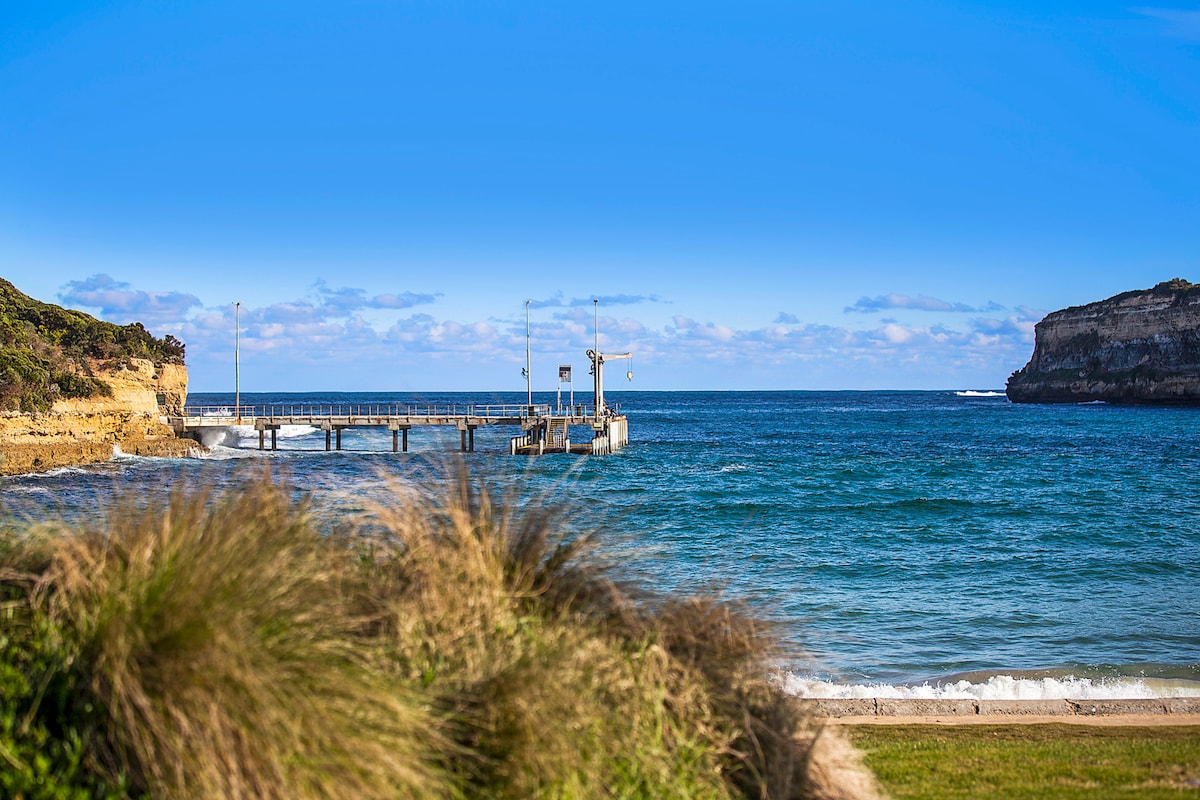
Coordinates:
(445,645)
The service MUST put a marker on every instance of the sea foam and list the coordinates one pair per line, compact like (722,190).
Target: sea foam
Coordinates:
(999,687)
(238,435)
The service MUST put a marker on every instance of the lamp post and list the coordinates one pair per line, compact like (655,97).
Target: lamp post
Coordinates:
(597,390)
(528,378)
(237,370)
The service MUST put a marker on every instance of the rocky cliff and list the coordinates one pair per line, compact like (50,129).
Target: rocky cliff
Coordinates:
(73,388)
(1140,347)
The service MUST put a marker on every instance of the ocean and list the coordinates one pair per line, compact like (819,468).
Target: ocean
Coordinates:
(907,544)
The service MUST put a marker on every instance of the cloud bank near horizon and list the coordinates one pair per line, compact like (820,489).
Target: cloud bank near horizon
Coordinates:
(363,338)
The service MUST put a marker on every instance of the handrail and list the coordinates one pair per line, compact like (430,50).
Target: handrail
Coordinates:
(322,411)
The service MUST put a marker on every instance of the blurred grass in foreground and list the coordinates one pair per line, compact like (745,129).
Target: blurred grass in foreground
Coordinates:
(445,644)
(1032,761)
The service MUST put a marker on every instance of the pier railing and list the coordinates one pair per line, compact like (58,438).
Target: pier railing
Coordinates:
(225,414)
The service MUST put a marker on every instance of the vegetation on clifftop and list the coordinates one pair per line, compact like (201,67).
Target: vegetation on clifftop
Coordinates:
(45,351)
(1180,286)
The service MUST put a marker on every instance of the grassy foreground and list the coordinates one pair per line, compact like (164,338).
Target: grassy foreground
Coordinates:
(443,645)
(1032,761)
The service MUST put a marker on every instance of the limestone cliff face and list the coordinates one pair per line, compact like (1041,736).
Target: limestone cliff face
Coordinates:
(81,431)
(1139,347)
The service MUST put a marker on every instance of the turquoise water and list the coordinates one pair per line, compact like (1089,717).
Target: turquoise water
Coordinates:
(906,542)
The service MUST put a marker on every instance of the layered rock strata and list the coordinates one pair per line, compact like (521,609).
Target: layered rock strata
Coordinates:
(82,431)
(1140,347)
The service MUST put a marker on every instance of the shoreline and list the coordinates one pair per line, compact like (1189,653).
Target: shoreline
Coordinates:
(1155,712)
(22,459)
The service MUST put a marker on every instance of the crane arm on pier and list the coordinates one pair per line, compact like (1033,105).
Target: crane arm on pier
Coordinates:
(593,355)
(598,360)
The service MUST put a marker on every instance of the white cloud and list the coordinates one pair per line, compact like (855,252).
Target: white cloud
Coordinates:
(873,305)
(118,302)
(896,334)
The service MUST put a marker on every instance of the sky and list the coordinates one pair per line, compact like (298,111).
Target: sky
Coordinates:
(760,195)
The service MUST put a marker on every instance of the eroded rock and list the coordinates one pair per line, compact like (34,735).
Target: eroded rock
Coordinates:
(1140,347)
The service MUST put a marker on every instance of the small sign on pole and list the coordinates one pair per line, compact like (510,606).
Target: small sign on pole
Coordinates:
(564,376)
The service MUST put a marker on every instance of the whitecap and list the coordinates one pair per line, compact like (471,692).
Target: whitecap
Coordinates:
(120,455)
(246,433)
(997,687)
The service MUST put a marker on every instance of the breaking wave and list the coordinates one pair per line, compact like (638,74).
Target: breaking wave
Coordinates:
(1000,687)
(240,435)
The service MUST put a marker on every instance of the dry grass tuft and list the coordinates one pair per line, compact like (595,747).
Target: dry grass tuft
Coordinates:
(448,644)
(215,634)
(540,656)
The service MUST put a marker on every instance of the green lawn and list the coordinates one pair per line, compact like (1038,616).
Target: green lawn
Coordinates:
(1032,761)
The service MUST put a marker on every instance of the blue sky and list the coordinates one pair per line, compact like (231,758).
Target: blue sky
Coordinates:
(787,195)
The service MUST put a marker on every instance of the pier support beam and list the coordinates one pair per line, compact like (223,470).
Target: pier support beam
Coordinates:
(339,438)
(399,437)
(262,428)
(328,435)
(471,437)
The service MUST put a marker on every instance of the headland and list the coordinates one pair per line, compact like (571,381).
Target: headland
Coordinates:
(1137,348)
(74,389)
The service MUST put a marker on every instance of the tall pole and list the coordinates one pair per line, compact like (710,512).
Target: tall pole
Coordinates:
(528,377)
(237,369)
(598,391)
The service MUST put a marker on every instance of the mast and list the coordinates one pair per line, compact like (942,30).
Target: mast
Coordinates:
(598,360)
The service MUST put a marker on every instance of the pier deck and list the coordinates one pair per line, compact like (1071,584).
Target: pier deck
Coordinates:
(544,429)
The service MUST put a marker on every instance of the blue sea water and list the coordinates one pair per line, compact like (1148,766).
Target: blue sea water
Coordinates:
(907,543)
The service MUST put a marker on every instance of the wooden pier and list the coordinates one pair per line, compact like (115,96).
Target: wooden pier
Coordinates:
(543,429)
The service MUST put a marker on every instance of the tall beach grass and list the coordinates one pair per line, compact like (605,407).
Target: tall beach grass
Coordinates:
(447,643)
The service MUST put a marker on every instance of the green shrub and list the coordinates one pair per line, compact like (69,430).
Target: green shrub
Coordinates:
(46,725)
